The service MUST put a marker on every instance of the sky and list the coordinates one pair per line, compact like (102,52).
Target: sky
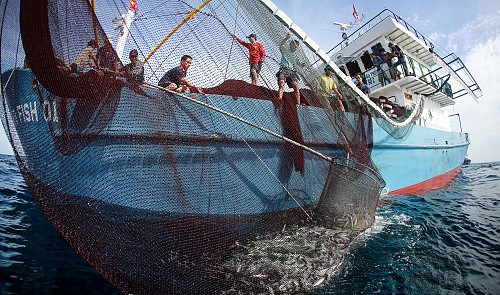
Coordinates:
(470,29)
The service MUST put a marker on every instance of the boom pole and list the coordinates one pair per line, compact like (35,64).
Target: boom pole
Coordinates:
(190,15)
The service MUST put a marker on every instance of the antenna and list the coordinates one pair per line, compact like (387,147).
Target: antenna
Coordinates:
(122,25)
(344,28)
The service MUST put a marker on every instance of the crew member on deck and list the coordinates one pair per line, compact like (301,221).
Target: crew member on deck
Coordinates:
(135,69)
(107,57)
(287,72)
(87,57)
(361,85)
(175,78)
(389,66)
(377,61)
(327,87)
(257,56)
(397,52)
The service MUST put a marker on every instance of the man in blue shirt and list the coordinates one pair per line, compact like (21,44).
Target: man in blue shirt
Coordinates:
(377,61)
(362,86)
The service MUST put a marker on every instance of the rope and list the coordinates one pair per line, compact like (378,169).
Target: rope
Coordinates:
(227,114)
(284,138)
(232,42)
(186,35)
(188,17)
(268,169)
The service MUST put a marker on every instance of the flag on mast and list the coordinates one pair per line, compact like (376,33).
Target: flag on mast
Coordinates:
(355,12)
(133,5)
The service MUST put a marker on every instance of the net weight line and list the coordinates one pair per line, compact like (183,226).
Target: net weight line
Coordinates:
(336,160)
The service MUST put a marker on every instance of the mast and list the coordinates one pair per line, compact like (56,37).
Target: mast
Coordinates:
(123,25)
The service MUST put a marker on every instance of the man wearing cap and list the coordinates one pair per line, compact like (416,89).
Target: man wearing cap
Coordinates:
(397,52)
(87,57)
(327,87)
(257,56)
(135,69)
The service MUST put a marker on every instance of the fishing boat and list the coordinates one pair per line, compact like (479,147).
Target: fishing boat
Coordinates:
(426,153)
(154,187)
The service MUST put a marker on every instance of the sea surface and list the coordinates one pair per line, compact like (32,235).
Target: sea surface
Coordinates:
(443,242)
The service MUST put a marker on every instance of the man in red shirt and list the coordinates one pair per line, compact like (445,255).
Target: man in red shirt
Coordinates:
(257,56)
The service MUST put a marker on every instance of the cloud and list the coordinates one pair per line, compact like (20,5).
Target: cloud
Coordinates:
(474,32)
(481,120)
(415,19)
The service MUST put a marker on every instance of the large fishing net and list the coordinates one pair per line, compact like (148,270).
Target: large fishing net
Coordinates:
(231,190)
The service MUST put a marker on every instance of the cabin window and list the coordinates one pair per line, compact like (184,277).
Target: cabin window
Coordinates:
(366,60)
(353,68)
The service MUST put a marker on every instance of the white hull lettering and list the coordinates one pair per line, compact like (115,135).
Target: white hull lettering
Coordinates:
(28,112)
(50,112)
(55,115)
(47,115)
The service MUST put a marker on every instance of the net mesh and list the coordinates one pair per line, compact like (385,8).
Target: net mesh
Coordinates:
(156,189)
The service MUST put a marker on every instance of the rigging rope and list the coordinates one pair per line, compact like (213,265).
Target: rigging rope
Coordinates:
(232,41)
(190,16)
(284,138)
(227,114)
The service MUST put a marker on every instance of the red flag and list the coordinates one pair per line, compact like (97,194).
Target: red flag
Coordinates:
(133,5)
(355,12)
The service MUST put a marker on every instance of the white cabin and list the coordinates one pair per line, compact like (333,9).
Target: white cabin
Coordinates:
(427,74)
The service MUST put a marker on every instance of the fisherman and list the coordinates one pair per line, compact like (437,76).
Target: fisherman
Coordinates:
(287,72)
(389,66)
(176,79)
(257,55)
(361,85)
(397,52)
(87,57)
(377,61)
(327,87)
(135,69)
(107,57)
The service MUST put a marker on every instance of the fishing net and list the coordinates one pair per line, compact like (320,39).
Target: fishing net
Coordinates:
(160,190)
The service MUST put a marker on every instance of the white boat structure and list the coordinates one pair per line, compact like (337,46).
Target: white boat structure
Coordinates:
(422,152)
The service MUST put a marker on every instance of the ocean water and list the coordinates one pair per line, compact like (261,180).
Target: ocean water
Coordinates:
(444,242)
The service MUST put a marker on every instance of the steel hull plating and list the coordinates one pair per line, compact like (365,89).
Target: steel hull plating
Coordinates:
(424,159)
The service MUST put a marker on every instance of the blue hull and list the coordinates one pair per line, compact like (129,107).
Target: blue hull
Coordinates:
(151,150)
(424,159)
(165,171)
(140,137)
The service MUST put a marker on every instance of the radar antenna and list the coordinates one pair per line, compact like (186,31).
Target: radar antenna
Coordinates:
(344,28)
